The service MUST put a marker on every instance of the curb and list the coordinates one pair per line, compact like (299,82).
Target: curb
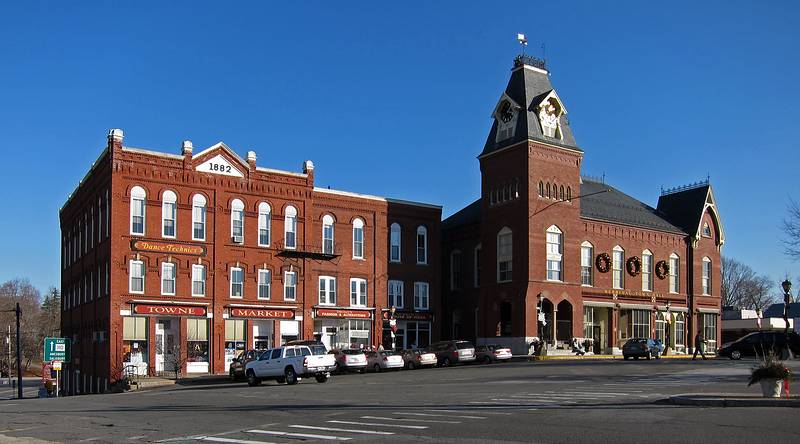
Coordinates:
(588,357)
(732,400)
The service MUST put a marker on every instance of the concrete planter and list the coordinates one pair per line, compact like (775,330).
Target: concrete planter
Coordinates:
(771,388)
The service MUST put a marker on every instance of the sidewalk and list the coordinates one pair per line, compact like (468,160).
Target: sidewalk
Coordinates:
(591,357)
(733,400)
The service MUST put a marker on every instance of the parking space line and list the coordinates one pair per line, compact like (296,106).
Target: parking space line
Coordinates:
(383,418)
(299,435)
(231,440)
(377,424)
(446,416)
(470,417)
(334,429)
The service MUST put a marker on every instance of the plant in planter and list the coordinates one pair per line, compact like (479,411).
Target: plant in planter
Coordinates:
(770,373)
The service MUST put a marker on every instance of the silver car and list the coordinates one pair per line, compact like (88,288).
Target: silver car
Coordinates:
(453,352)
(350,360)
(378,361)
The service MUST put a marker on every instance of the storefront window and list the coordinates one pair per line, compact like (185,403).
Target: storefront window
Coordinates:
(710,331)
(134,340)
(660,327)
(197,340)
(680,331)
(588,321)
(640,323)
(234,339)
(418,334)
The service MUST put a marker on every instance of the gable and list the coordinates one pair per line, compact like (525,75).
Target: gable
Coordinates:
(220,159)
(219,165)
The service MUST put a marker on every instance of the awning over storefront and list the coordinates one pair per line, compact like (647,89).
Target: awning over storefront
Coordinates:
(708,310)
(675,309)
(598,304)
(636,306)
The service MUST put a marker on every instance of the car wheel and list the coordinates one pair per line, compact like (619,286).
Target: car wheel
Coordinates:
(252,380)
(411,365)
(361,371)
(446,362)
(736,355)
(290,375)
(625,357)
(232,375)
(376,368)
(322,378)
(487,360)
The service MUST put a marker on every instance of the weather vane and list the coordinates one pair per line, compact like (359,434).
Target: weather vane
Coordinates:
(522,41)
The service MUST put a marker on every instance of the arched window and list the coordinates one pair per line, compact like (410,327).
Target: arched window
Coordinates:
(138,196)
(587,253)
(422,245)
(199,217)
(394,243)
(541,189)
(569,194)
(561,192)
(290,227)
(647,270)
(237,221)
(617,264)
(358,239)
(264,224)
(680,331)
(706,277)
(548,190)
(504,255)
(168,213)
(661,327)
(555,244)
(327,234)
(455,270)
(674,273)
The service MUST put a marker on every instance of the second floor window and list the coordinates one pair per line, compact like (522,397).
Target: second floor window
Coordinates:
(290,228)
(264,224)
(422,245)
(617,263)
(290,286)
(647,271)
(198,280)
(168,278)
(169,210)
(504,255)
(327,290)
(674,273)
(198,217)
(137,277)
(358,239)
(554,254)
(396,294)
(237,221)
(237,282)
(420,295)
(138,197)
(394,243)
(264,284)
(327,234)
(358,292)
(587,252)
(706,278)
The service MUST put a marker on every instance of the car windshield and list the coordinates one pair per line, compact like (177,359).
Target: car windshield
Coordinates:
(318,350)
(463,345)
(352,352)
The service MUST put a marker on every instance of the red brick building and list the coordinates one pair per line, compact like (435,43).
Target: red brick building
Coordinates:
(186,259)
(545,253)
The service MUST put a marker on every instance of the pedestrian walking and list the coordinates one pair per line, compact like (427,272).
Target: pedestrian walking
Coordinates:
(699,342)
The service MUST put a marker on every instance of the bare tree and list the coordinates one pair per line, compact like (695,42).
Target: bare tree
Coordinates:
(791,230)
(742,288)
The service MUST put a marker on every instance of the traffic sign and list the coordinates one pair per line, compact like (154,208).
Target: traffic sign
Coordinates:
(57,349)
(57,365)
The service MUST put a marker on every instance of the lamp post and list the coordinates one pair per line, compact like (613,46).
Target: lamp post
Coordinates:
(668,331)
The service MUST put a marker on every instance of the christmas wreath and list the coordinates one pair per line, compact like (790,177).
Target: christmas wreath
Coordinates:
(634,265)
(603,262)
(662,269)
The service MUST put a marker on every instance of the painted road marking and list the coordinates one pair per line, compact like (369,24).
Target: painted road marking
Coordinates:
(469,411)
(377,424)
(231,440)
(299,435)
(446,416)
(383,418)
(333,429)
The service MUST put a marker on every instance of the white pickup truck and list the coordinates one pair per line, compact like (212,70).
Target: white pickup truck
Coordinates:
(288,364)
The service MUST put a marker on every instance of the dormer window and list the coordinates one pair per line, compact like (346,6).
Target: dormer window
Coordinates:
(506,113)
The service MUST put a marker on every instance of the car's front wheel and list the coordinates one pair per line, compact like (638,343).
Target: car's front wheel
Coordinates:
(252,379)
(736,355)
(376,368)
(290,375)
(446,362)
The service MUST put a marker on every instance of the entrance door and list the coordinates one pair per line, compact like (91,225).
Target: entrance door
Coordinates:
(327,336)
(165,346)
(597,340)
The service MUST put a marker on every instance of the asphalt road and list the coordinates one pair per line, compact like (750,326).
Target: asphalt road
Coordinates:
(550,401)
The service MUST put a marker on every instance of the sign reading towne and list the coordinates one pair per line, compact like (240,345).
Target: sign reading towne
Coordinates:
(57,349)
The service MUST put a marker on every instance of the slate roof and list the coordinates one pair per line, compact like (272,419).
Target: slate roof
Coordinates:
(527,87)
(471,214)
(776,310)
(685,208)
(617,207)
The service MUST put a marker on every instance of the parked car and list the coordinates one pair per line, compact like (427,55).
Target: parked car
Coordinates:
(760,343)
(642,348)
(288,364)
(492,353)
(453,352)
(350,360)
(417,358)
(238,363)
(317,347)
(378,361)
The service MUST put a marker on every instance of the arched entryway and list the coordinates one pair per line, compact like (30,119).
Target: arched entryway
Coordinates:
(564,321)
(546,328)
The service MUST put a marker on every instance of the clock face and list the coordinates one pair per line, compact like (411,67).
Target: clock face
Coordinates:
(506,112)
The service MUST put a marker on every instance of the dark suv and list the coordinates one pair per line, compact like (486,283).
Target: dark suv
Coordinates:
(453,352)
(760,343)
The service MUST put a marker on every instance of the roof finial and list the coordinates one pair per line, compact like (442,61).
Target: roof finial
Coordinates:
(522,41)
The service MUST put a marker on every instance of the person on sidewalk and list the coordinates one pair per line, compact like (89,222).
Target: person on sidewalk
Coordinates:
(699,342)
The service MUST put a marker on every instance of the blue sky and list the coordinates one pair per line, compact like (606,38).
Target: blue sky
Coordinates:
(394,99)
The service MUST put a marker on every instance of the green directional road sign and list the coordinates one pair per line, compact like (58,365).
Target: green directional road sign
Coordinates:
(57,349)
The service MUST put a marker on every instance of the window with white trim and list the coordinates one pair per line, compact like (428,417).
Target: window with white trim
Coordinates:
(661,327)
(647,270)
(237,221)
(394,243)
(264,283)
(290,228)
(420,295)
(198,217)
(640,323)
(396,294)
(680,329)
(422,245)
(554,241)
(169,214)
(198,280)
(290,286)
(706,277)
(358,292)
(138,196)
(358,239)
(264,224)
(709,322)
(674,273)
(504,255)
(168,278)
(137,277)
(327,290)
(587,252)
(617,263)
(237,282)
(327,234)
(455,270)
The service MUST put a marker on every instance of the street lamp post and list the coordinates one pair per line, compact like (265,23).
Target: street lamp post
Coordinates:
(787,299)
(668,331)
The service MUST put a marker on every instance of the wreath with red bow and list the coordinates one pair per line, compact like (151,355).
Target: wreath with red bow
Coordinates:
(634,266)
(662,269)
(603,262)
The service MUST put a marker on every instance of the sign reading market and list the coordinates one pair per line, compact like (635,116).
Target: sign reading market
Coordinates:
(261,313)
(343,314)
(167,248)
(172,310)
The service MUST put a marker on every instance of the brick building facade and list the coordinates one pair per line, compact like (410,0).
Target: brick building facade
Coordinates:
(183,260)
(545,253)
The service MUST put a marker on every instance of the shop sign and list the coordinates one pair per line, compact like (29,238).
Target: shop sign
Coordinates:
(262,313)
(174,310)
(167,248)
(343,314)
(412,316)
